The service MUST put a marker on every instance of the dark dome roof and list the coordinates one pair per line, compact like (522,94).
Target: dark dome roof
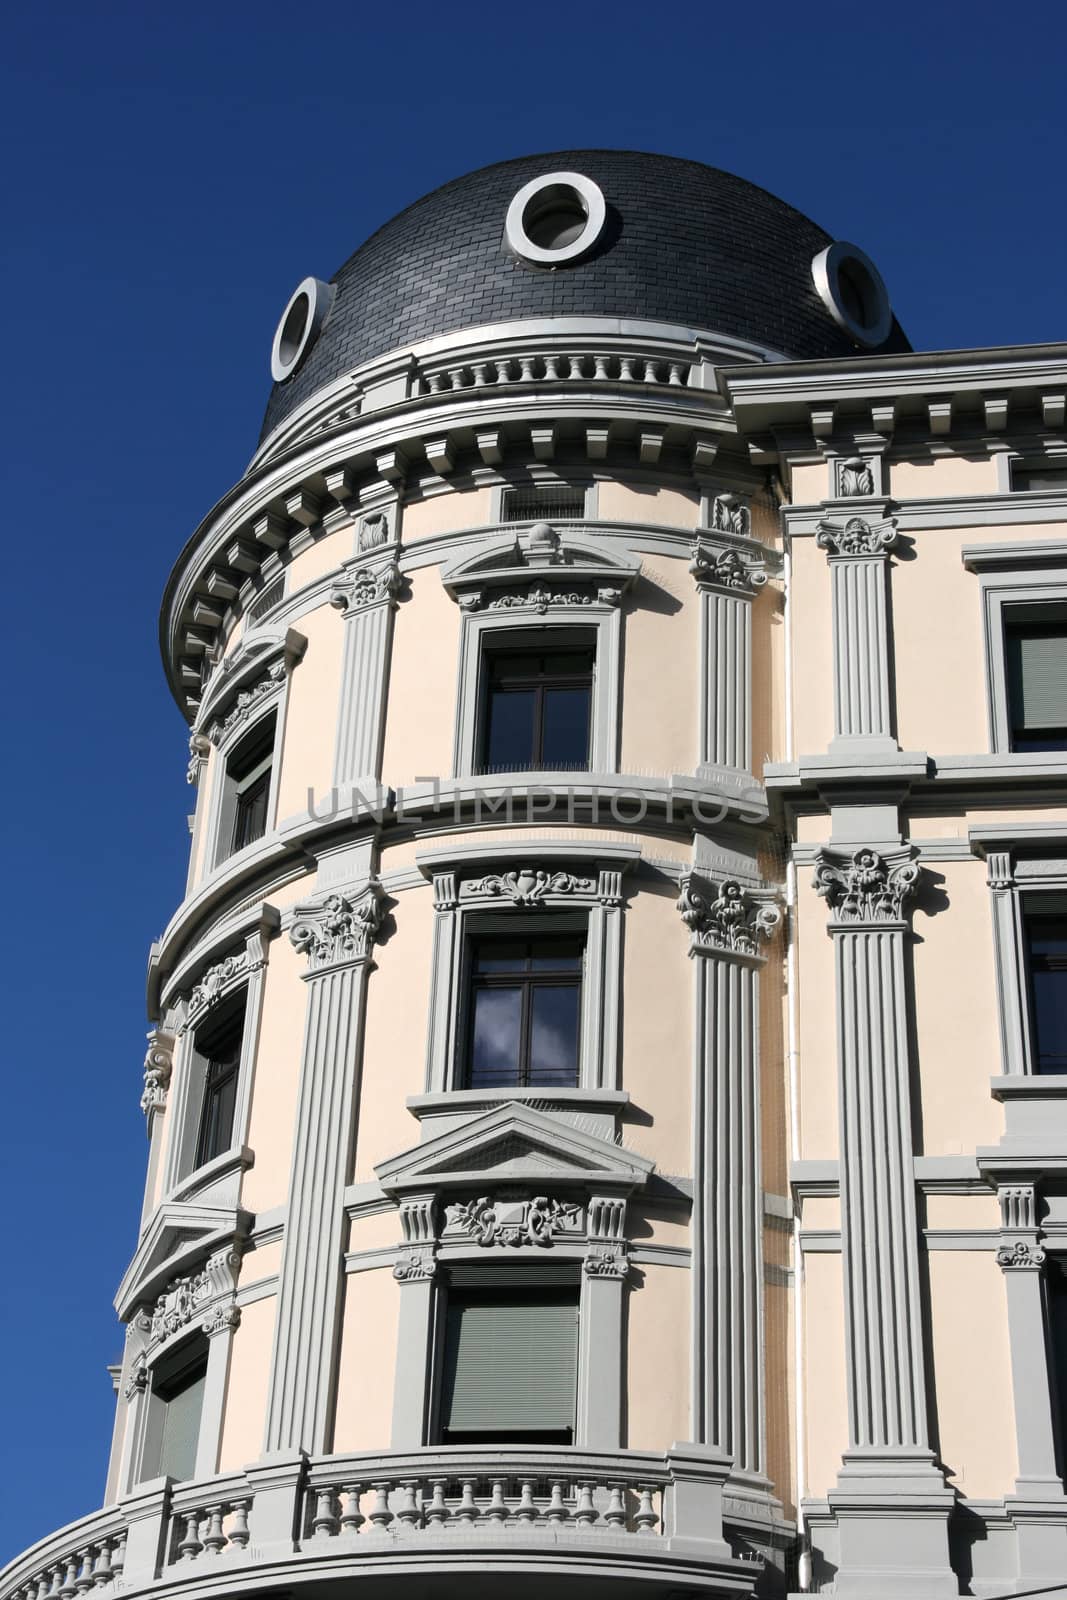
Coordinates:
(685,244)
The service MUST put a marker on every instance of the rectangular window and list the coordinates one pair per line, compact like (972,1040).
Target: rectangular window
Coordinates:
(525,1012)
(1046,942)
(1056,1313)
(542,502)
(174,1420)
(510,1366)
(1035,643)
(1023,477)
(537,703)
(220,1049)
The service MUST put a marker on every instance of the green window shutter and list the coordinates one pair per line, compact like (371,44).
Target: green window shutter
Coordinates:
(181,1424)
(510,1363)
(1037,675)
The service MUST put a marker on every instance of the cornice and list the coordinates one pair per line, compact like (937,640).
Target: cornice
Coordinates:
(999,510)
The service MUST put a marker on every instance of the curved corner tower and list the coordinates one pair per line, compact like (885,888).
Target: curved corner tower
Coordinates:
(495,1099)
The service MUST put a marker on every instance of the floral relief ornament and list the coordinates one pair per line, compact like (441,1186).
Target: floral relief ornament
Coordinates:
(248,700)
(529,886)
(339,929)
(158,1064)
(865,887)
(858,537)
(1021,1253)
(364,587)
(534,1222)
(725,569)
(730,920)
(214,981)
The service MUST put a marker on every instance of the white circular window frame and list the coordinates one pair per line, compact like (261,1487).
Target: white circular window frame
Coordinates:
(592,202)
(319,297)
(826,270)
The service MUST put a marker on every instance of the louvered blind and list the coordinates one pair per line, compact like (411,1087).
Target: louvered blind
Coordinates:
(510,1363)
(1037,675)
(181,1425)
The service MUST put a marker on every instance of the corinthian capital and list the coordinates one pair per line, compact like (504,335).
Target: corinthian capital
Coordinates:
(339,930)
(365,586)
(731,921)
(857,537)
(158,1064)
(865,887)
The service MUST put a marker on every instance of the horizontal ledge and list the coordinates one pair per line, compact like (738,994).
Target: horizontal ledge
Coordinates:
(459,1101)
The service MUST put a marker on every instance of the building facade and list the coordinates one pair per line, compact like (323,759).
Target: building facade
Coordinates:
(607,1091)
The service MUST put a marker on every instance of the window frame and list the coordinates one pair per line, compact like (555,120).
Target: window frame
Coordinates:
(1033,911)
(1027,574)
(168,1364)
(230,1026)
(501,492)
(228,789)
(512,643)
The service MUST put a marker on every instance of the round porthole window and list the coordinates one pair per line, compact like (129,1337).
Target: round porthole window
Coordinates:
(851,288)
(555,219)
(299,326)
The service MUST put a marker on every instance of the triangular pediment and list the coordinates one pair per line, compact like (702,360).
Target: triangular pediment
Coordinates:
(514,1144)
(177,1234)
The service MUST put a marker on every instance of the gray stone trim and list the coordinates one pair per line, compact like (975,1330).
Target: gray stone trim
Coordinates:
(728,571)
(365,593)
(337,935)
(661,1255)
(528,890)
(857,552)
(1041,508)
(583,595)
(1010,576)
(263,1289)
(372,1260)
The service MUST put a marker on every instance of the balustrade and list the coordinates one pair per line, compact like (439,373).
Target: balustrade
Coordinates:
(555,367)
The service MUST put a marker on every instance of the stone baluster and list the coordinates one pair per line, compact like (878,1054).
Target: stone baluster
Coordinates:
(727,582)
(728,927)
(888,1457)
(352,1519)
(337,935)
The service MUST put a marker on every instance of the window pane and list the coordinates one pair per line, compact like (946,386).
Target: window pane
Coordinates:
(500,958)
(1037,677)
(510,1364)
(555,955)
(511,667)
(1048,989)
(184,1401)
(554,1034)
(565,730)
(251,820)
(509,740)
(496,1031)
(567,664)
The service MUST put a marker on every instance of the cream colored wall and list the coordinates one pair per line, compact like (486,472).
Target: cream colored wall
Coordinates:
(972,1373)
(657,1031)
(813,668)
(379,1231)
(660,676)
(962,1211)
(768,678)
(394,1052)
(311,717)
(825,1395)
(274,1090)
(263,1262)
(809,483)
(420,721)
(774,1082)
(323,557)
(364,1414)
(816,981)
(632,502)
(943,475)
(956,1023)
(445,513)
(657,1353)
(937,630)
(778,1383)
(821,1211)
(245,1414)
(648,1223)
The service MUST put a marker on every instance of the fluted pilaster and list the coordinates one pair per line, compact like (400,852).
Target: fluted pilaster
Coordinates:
(367,597)
(727,584)
(858,556)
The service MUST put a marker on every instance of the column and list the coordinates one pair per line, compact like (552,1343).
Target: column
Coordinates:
(891,1503)
(859,568)
(366,596)
(415,1270)
(223,1317)
(337,935)
(600,1323)
(727,928)
(158,1070)
(727,583)
(1038,1508)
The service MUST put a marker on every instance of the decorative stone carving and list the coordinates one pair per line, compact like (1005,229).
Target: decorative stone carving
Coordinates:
(199,746)
(220,1318)
(247,701)
(366,586)
(1018,1207)
(415,1266)
(137,1381)
(725,568)
(445,892)
(730,514)
(528,886)
(512,1223)
(184,1299)
(733,920)
(1026,1254)
(854,477)
(339,929)
(857,537)
(214,983)
(607,1261)
(158,1065)
(864,887)
(540,568)
(373,531)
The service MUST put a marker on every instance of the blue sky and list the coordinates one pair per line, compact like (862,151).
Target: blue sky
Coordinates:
(169,173)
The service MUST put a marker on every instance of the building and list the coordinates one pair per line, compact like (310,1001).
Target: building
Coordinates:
(607,1094)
